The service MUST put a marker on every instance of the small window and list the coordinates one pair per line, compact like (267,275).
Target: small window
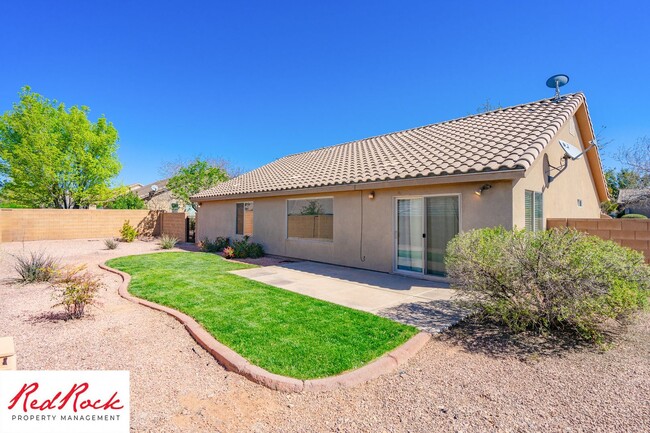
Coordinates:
(244,218)
(534,205)
(310,218)
(579,202)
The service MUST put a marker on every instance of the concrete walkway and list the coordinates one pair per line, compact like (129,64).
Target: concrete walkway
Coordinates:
(422,303)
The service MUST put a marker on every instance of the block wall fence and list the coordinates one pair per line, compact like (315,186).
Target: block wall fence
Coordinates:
(18,225)
(173,224)
(631,233)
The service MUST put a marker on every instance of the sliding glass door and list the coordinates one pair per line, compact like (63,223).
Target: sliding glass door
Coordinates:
(424,227)
(410,227)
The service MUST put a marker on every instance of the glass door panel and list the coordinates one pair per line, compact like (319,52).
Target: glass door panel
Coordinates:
(410,228)
(442,226)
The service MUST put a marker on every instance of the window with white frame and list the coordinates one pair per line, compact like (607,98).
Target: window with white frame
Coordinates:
(244,218)
(534,204)
(311,218)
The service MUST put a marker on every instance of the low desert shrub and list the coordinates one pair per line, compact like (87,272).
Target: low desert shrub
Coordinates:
(167,242)
(547,281)
(128,232)
(215,246)
(635,216)
(243,249)
(111,243)
(229,253)
(37,266)
(75,289)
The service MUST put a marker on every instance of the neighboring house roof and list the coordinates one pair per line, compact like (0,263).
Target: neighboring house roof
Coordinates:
(145,192)
(631,196)
(497,141)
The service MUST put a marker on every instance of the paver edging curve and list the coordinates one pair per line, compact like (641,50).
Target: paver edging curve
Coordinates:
(234,362)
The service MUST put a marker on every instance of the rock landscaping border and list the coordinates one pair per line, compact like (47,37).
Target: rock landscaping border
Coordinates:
(234,362)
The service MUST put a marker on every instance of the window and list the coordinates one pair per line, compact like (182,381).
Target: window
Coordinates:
(534,204)
(244,218)
(311,218)
(579,202)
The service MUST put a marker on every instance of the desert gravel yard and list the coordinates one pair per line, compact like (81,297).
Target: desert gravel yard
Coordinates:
(463,381)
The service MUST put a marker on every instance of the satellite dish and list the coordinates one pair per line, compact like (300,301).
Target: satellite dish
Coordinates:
(557,81)
(570,150)
(154,188)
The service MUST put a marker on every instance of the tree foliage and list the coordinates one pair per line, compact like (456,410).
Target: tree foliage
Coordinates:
(623,179)
(129,200)
(195,177)
(51,156)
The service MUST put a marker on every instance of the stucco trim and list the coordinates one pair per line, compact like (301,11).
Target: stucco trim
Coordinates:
(420,181)
(236,363)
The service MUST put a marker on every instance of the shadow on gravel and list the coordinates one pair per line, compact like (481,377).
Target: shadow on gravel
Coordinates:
(186,246)
(492,339)
(428,316)
(49,316)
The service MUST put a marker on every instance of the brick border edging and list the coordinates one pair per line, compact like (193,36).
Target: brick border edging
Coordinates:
(234,362)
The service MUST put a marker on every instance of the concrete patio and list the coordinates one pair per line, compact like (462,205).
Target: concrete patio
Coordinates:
(421,303)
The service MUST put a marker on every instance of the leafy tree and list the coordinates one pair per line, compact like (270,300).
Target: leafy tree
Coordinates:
(51,156)
(312,208)
(197,176)
(129,200)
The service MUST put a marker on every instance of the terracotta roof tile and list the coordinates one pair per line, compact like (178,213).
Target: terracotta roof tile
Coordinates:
(503,139)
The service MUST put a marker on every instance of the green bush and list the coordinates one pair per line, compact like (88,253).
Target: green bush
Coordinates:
(215,246)
(547,281)
(635,215)
(243,249)
(128,232)
(168,242)
(35,267)
(130,200)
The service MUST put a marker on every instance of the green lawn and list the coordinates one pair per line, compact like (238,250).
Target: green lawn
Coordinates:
(280,331)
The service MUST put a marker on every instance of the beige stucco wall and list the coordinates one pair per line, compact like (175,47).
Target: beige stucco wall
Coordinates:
(217,218)
(562,194)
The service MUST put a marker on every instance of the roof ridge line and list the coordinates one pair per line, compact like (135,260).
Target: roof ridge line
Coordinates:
(430,124)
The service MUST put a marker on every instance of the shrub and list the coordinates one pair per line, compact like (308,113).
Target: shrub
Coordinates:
(35,267)
(243,249)
(128,232)
(635,215)
(229,253)
(75,289)
(111,244)
(214,247)
(547,281)
(167,242)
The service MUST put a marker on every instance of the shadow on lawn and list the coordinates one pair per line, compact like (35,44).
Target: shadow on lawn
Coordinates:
(490,338)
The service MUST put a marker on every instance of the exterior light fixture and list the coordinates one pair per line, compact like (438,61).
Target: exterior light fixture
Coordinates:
(485,187)
(371,195)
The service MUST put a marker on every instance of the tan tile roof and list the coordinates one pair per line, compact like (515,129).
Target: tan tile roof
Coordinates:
(504,139)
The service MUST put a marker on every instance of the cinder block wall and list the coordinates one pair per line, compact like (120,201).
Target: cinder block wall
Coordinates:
(631,233)
(173,224)
(18,225)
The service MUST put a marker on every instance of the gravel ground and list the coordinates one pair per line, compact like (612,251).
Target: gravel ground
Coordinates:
(469,380)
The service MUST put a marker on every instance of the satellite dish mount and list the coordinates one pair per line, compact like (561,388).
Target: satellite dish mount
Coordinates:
(555,82)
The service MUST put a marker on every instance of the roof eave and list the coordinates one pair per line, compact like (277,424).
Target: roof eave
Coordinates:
(510,174)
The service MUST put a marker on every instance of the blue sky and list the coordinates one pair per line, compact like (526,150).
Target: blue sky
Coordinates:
(254,81)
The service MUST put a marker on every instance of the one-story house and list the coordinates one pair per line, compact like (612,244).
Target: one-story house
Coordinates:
(158,197)
(392,202)
(635,201)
